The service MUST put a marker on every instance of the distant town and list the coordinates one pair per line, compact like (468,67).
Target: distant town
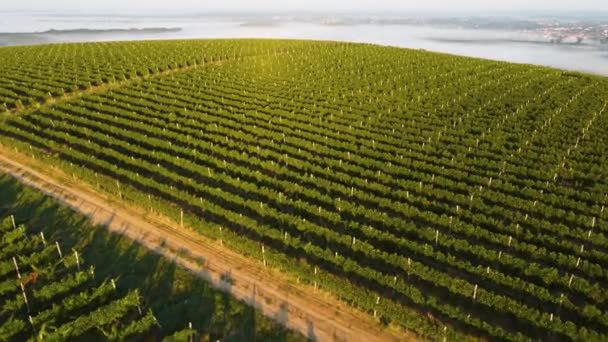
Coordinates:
(577,33)
(562,30)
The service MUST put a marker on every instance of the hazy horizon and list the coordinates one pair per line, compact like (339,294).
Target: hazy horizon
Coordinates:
(520,32)
(342,6)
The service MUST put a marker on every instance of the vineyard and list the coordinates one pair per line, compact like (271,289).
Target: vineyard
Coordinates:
(50,287)
(453,197)
(48,290)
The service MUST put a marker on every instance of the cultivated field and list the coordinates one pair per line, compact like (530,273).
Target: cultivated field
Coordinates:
(449,196)
(63,279)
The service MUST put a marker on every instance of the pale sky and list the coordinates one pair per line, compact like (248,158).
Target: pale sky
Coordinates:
(132,6)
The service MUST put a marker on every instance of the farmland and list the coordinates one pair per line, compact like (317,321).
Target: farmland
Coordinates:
(84,283)
(452,197)
(96,305)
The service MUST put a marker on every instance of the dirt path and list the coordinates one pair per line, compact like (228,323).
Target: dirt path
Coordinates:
(314,313)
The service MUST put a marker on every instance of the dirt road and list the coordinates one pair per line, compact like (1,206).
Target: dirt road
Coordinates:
(312,312)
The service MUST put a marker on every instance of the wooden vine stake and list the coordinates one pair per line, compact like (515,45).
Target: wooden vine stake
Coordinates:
(27,304)
(181,220)
(475,292)
(13,221)
(409,265)
(118,187)
(43,239)
(16,268)
(29,317)
(77,260)
(59,249)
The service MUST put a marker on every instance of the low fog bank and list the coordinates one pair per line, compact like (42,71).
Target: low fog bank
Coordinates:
(574,44)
